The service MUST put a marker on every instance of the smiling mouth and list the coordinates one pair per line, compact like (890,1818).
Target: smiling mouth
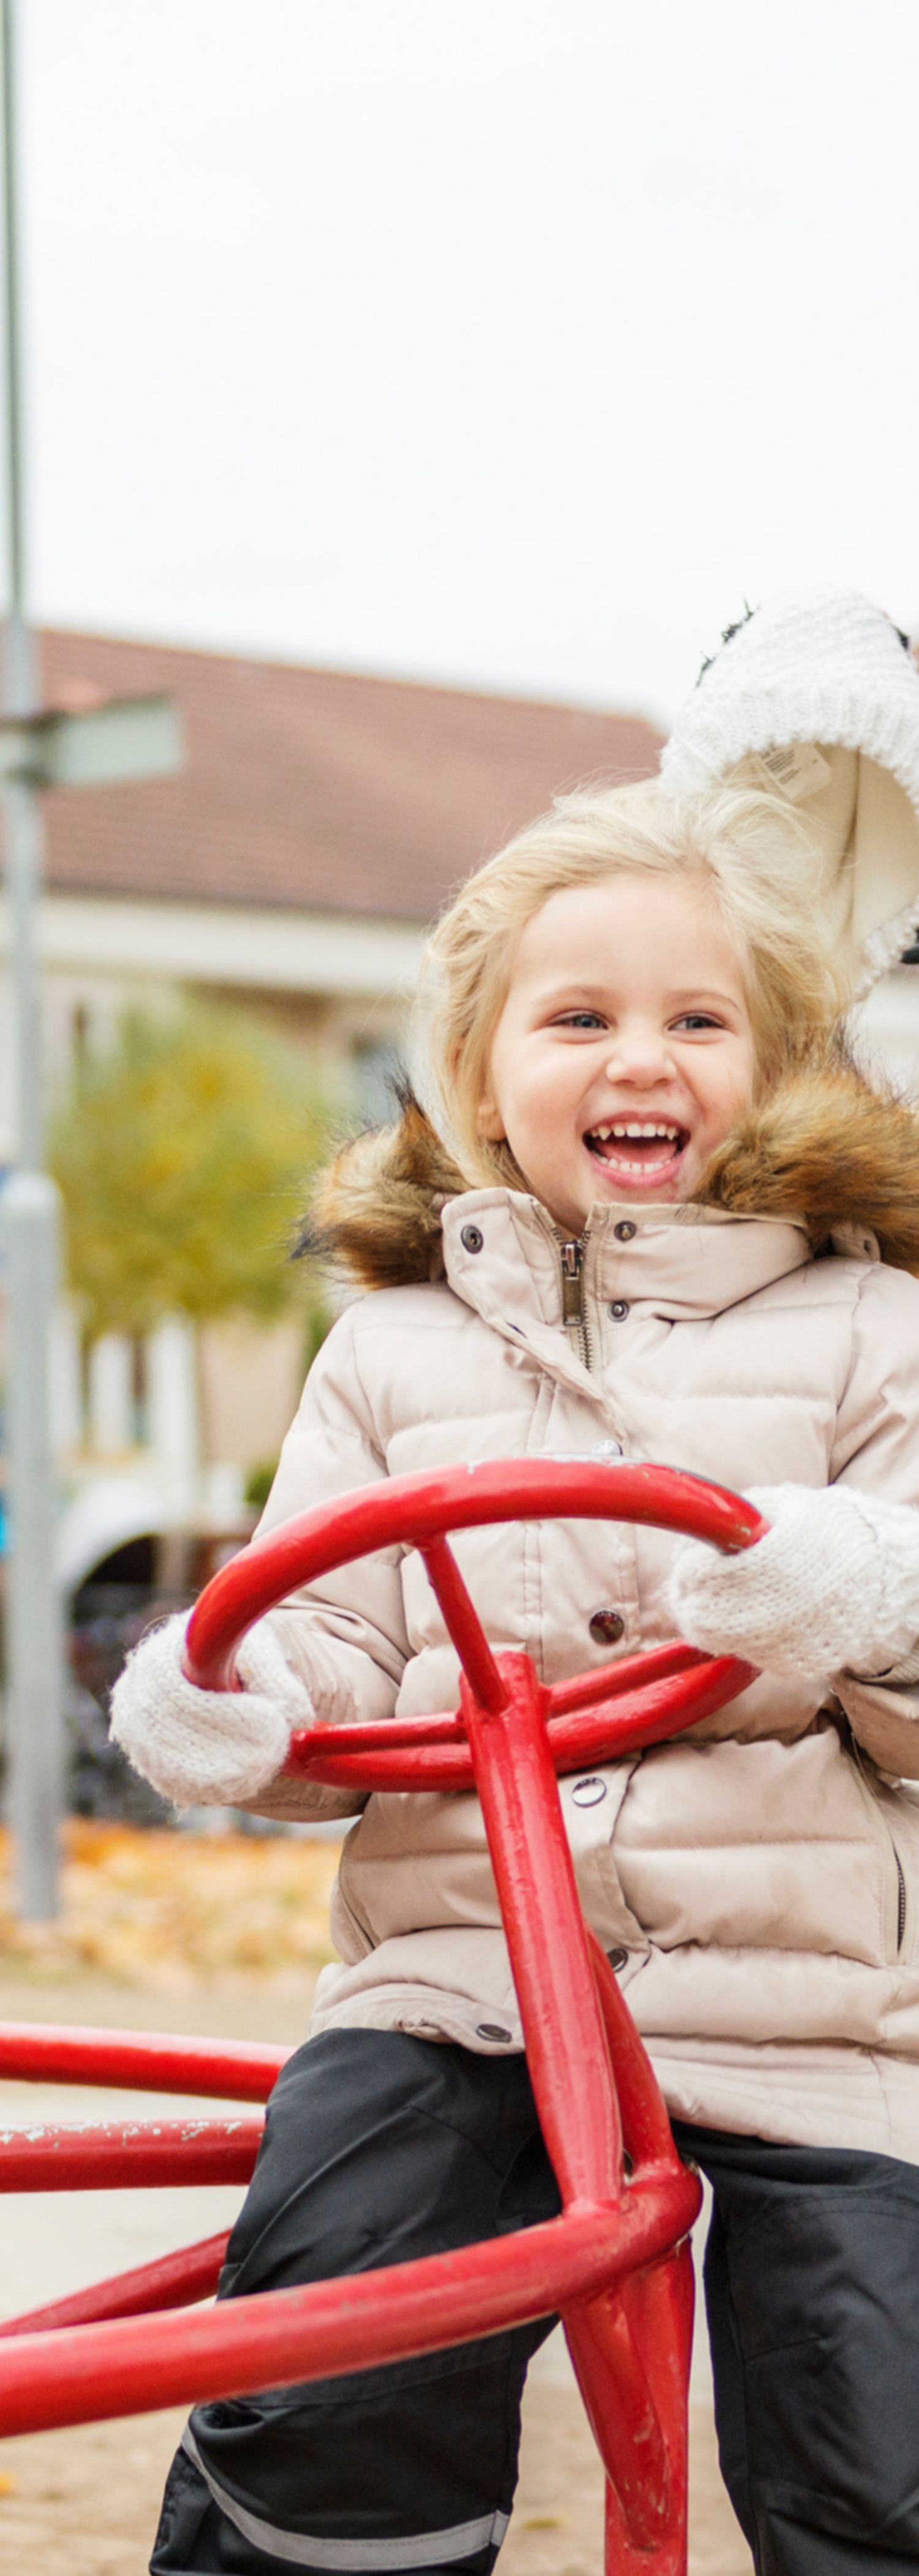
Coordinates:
(638,1149)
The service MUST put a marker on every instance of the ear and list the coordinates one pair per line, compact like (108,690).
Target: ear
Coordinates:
(489,1121)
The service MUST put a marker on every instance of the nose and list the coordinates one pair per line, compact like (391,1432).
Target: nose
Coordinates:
(639,1054)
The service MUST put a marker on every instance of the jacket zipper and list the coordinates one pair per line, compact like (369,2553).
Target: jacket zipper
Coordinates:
(858,1759)
(574,1315)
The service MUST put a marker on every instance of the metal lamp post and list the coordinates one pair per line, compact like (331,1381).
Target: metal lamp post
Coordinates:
(39,748)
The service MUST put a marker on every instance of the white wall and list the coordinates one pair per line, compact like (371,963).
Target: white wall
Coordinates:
(887,1026)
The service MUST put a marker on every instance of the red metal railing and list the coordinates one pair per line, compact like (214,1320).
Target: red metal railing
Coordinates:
(616,2262)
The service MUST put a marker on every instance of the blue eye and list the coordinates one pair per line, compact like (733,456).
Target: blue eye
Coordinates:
(581,1020)
(698,1020)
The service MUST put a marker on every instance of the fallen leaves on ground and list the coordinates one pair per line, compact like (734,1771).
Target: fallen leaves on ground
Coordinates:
(162,1909)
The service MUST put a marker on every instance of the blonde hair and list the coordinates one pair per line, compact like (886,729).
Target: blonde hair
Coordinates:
(750,848)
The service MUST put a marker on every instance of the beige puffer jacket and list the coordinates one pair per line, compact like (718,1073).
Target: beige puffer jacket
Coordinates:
(757,1882)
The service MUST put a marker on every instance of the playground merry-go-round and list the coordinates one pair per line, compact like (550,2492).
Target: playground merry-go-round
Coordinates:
(615,2264)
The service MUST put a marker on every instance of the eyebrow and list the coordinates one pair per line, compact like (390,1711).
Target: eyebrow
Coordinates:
(599,993)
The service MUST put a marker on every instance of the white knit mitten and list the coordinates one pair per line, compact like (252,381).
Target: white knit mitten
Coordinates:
(203,1747)
(832,1588)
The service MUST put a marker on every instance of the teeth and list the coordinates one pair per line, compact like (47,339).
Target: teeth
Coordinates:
(635,1127)
(644,1127)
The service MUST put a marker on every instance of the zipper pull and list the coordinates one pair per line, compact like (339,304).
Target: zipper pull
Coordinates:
(572,1260)
(573,1316)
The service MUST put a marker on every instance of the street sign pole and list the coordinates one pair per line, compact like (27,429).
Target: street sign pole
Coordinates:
(28,1210)
(34,1639)
(39,748)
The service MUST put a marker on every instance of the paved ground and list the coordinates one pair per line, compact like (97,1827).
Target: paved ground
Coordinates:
(85,2501)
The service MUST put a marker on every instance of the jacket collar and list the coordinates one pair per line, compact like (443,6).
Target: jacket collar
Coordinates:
(502,1255)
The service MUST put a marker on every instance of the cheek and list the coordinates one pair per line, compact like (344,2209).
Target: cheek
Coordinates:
(748,1081)
(523,1087)
(731,1091)
(740,1087)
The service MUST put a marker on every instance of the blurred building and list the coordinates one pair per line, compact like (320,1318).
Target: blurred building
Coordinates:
(319,823)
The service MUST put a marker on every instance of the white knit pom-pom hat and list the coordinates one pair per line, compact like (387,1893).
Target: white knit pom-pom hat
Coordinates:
(816,695)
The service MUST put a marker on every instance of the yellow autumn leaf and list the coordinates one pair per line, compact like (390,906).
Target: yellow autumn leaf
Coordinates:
(161,1908)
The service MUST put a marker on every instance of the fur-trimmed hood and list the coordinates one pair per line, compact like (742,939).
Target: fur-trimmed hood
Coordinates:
(827,1147)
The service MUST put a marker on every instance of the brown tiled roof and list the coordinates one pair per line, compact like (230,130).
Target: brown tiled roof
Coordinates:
(315,788)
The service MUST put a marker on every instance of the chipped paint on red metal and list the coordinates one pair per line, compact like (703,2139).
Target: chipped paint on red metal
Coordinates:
(616,2263)
(129,2155)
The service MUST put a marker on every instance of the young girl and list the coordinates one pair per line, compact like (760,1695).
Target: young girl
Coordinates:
(654,1213)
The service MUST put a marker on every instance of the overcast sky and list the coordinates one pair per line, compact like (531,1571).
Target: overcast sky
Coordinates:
(507,342)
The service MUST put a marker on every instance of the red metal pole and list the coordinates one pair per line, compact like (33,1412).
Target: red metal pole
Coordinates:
(140,2061)
(333,2327)
(631,1675)
(645,2331)
(563,2026)
(102,2158)
(464,1626)
(174,2281)
(589,1734)
(568,2059)
(646,2128)
(658,2304)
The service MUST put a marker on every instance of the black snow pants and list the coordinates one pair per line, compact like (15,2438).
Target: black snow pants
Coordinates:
(380,2147)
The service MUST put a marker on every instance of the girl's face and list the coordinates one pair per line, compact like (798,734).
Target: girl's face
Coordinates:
(624,1049)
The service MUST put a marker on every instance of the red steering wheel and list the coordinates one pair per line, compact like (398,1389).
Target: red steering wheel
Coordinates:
(596,1715)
